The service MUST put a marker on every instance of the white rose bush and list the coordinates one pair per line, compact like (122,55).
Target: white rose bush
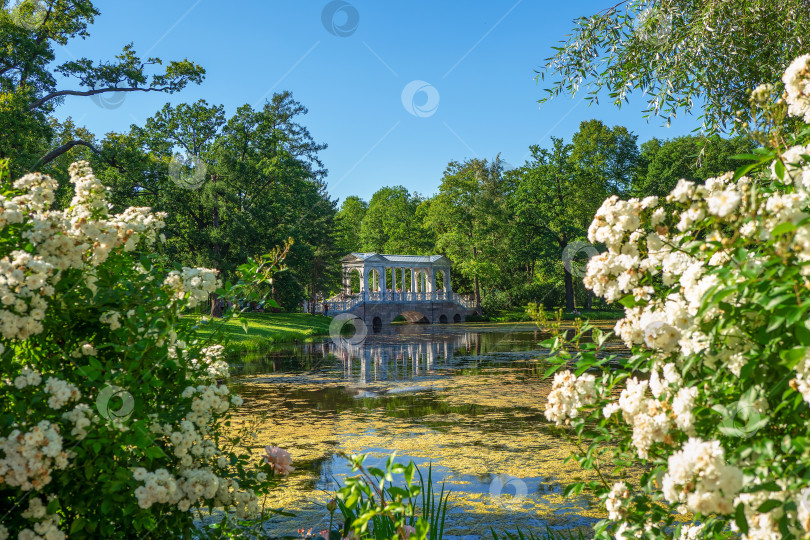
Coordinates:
(703,430)
(114,416)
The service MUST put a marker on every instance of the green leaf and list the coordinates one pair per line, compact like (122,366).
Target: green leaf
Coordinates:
(77,525)
(739,518)
(769,505)
(154,452)
(783,228)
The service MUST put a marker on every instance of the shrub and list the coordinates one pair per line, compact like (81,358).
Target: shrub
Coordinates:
(113,416)
(495,300)
(714,400)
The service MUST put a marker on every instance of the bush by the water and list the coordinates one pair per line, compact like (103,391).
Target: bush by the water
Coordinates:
(114,415)
(713,402)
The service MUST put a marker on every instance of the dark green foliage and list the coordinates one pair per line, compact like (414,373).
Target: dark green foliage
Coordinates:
(258,181)
(663,163)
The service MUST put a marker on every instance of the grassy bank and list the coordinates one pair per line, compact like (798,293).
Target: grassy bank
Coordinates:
(264,329)
(519,315)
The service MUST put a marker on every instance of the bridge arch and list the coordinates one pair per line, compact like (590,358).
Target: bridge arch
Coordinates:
(415,317)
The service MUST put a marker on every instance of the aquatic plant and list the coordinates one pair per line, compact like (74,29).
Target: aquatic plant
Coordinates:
(373,506)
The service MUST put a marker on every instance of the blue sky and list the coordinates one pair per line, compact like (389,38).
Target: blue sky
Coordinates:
(475,60)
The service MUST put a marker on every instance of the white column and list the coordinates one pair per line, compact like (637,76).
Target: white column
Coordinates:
(364,277)
(383,285)
(432,283)
(413,280)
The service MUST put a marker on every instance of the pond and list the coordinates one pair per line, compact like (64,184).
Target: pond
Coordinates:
(466,398)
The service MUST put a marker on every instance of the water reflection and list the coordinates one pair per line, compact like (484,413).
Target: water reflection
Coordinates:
(383,360)
(467,398)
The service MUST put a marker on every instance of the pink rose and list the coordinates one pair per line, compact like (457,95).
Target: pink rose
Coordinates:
(279,460)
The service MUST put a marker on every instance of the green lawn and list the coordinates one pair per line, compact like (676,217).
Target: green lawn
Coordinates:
(264,329)
(519,314)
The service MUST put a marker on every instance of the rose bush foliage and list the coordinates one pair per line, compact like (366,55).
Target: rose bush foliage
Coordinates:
(114,415)
(712,404)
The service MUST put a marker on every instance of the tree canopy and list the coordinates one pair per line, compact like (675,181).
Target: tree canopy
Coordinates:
(28,77)
(681,54)
(232,187)
(391,223)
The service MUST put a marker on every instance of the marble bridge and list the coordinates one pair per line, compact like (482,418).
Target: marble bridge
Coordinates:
(418,287)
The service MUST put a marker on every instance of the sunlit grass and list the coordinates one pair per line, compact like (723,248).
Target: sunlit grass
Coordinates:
(263,329)
(518,314)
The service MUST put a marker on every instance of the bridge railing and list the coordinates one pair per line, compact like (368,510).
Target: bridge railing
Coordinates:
(341,303)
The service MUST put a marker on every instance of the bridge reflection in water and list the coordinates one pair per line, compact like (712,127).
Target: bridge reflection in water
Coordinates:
(383,360)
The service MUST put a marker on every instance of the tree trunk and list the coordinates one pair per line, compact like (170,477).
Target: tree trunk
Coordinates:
(477,286)
(216,306)
(569,281)
(569,291)
(215,215)
(477,296)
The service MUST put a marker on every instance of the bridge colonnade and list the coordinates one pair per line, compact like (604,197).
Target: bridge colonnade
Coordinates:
(395,278)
